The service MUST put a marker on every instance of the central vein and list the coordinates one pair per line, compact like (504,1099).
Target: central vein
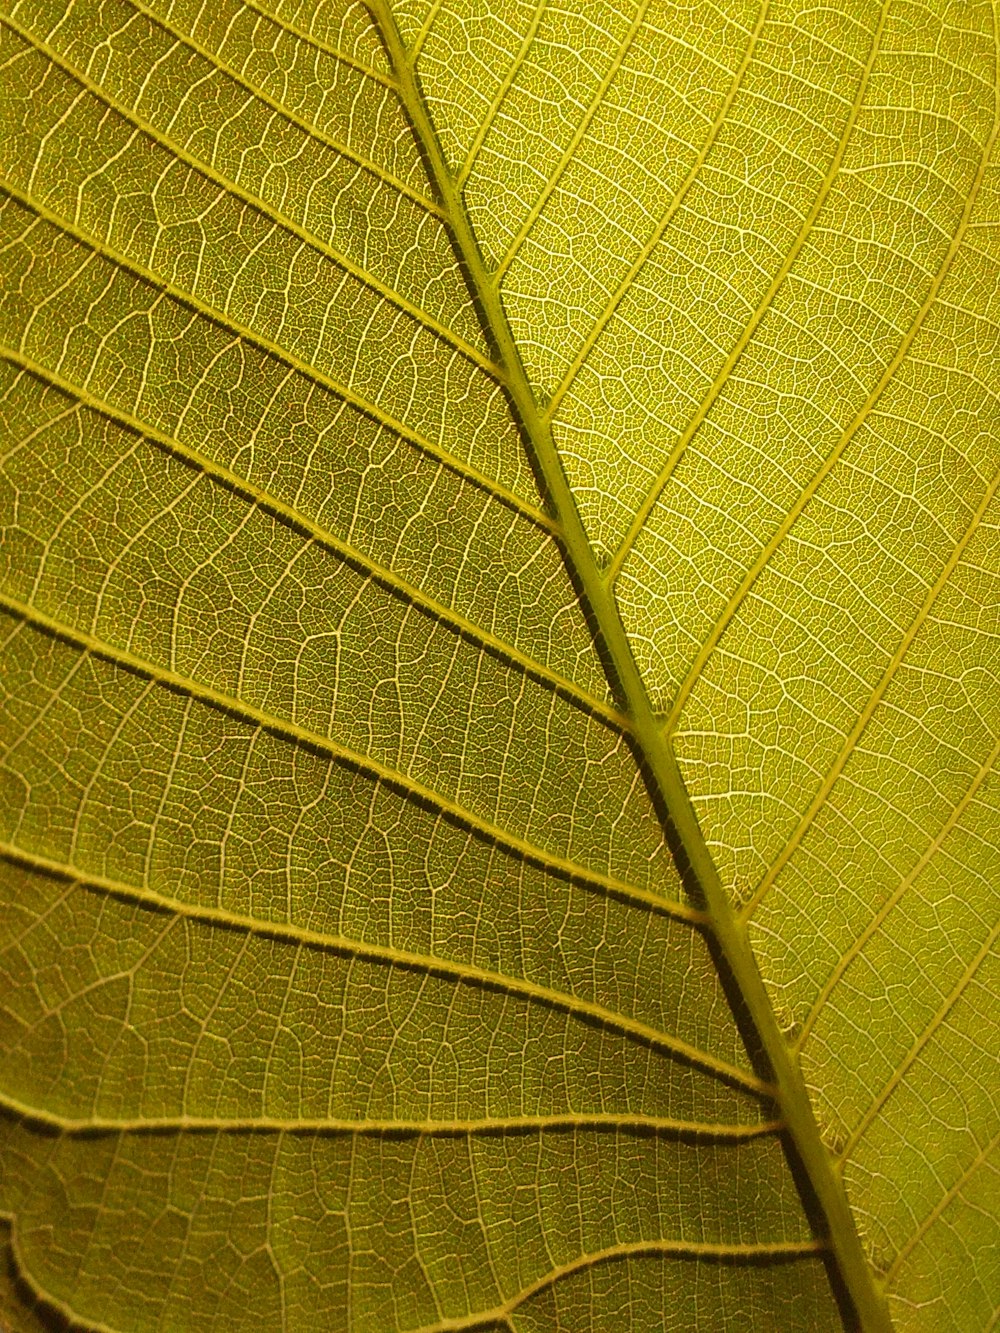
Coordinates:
(660,768)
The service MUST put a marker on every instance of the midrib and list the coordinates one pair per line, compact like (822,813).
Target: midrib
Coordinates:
(663,776)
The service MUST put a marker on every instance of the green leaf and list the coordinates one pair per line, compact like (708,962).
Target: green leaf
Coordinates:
(499,630)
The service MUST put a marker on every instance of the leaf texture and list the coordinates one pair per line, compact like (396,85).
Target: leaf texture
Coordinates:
(361,970)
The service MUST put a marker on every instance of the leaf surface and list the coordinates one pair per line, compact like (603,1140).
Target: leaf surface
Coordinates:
(419,428)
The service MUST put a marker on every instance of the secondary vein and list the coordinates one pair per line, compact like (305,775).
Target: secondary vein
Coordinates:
(318,44)
(638,1126)
(323,537)
(710,1252)
(281,354)
(576,1007)
(738,348)
(315,741)
(601,322)
(809,491)
(871,704)
(313,132)
(268,212)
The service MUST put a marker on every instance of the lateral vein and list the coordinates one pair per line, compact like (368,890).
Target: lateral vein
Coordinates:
(318,44)
(945,1007)
(338,146)
(809,491)
(284,357)
(602,321)
(332,1127)
(410,788)
(945,1201)
(738,348)
(906,883)
(425,29)
(324,538)
(268,212)
(776,1251)
(571,147)
(874,699)
(581,1010)
(504,88)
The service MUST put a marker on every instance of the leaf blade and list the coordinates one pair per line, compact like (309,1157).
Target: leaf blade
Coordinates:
(403,666)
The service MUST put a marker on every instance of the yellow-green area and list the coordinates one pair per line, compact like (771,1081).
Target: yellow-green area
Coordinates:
(499,698)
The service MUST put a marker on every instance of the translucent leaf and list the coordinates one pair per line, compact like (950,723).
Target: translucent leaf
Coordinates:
(499,600)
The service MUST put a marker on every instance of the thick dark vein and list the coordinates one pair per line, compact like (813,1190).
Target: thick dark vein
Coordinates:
(661,766)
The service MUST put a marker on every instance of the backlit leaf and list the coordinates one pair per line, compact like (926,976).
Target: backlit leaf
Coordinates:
(500,707)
